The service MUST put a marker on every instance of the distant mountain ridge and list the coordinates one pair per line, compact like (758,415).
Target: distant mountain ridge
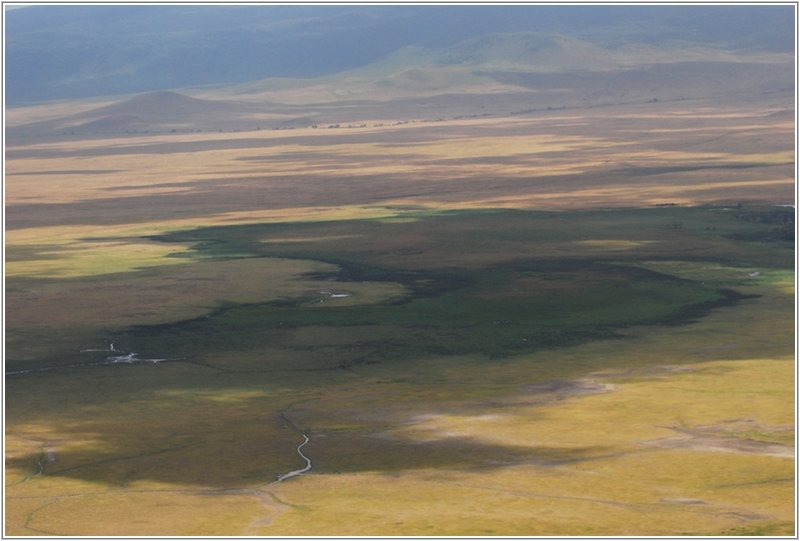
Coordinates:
(533,61)
(161,104)
(56,52)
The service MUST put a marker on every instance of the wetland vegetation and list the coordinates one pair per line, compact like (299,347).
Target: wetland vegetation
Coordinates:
(508,305)
(495,283)
(485,298)
(511,300)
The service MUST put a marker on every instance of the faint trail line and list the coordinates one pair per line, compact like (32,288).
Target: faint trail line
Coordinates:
(123,492)
(41,470)
(780,480)
(713,511)
(276,499)
(30,517)
(117,459)
(526,494)
(273,504)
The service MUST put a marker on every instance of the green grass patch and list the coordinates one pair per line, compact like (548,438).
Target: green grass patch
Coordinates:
(494,297)
(455,310)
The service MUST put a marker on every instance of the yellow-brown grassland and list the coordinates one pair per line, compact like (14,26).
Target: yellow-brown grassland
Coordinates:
(574,321)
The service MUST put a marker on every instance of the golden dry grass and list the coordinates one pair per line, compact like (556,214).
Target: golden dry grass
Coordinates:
(557,161)
(592,146)
(619,487)
(610,482)
(523,467)
(480,451)
(448,446)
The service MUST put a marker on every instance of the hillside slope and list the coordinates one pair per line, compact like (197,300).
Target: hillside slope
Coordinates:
(57,52)
(534,62)
(499,74)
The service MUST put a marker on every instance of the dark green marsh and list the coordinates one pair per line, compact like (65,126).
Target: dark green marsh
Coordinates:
(492,283)
(470,290)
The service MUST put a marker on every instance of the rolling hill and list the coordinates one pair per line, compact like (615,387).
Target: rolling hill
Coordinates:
(496,74)
(56,52)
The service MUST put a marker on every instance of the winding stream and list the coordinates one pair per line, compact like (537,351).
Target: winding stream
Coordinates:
(296,472)
(130,358)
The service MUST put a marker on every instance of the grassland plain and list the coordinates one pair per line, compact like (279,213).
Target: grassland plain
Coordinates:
(440,382)
(462,360)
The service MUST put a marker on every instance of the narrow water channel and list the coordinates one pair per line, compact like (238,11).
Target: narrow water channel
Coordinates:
(296,472)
